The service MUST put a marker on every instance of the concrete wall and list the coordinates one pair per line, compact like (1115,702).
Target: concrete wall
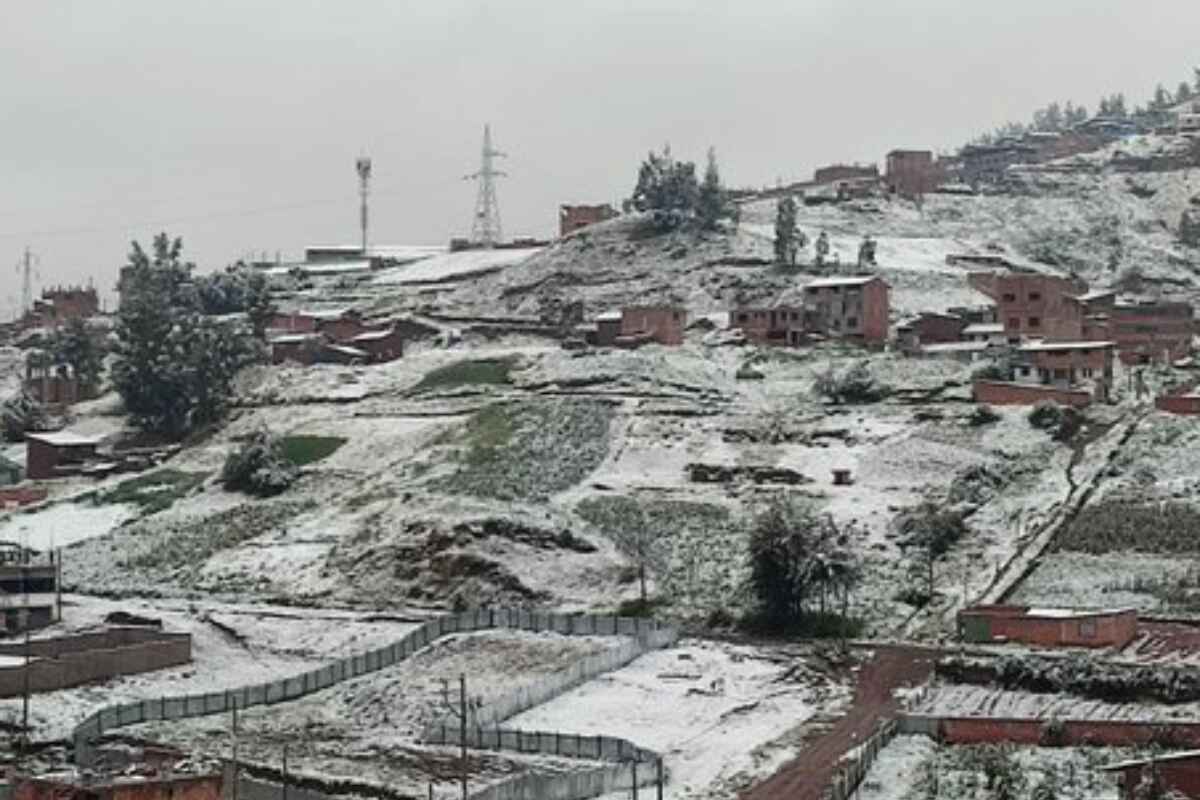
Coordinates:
(1001,393)
(74,660)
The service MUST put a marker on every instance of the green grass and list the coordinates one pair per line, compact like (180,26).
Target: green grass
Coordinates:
(153,491)
(302,450)
(488,432)
(476,372)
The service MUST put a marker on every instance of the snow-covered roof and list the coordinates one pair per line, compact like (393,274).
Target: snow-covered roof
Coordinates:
(1095,294)
(954,347)
(325,313)
(1070,613)
(609,316)
(1179,755)
(983,327)
(850,280)
(371,336)
(64,439)
(1044,347)
(293,338)
(350,351)
(335,267)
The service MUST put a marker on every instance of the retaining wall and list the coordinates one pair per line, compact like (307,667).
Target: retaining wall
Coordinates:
(1000,393)
(1107,733)
(67,661)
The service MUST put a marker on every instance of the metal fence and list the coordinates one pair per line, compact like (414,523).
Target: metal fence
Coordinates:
(847,779)
(646,633)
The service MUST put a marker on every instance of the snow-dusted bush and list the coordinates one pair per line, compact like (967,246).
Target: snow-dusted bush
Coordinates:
(1061,422)
(855,384)
(982,415)
(259,467)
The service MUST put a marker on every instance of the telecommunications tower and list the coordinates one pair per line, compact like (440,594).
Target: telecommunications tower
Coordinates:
(485,228)
(363,167)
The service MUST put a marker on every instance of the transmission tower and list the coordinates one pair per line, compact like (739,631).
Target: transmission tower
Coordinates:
(25,270)
(485,228)
(363,167)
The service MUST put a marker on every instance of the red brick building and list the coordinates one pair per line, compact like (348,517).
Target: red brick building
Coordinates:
(1172,775)
(854,308)
(1034,304)
(662,324)
(1048,627)
(572,218)
(912,173)
(60,304)
(778,325)
(1151,333)
(1066,365)
(52,384)
(52,455)
(1006,393)
(608,328)
(155,786)
(385,344)
(930,328)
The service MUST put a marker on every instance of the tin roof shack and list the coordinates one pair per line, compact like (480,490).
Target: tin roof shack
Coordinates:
(1167,775)
(178,783)
(988,332)
(853,307)
(1034,304)
(53,455)
(29,589)
(662,324)
(381,346)
(1066,365)
(778,325)
(1047,627)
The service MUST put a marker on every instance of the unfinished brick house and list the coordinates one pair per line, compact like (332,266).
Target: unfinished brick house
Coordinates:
(572,218)
(52,384)
(1166,775)
(1048,627)
(912,173)
(29,586)
(1033,304)
(1066,365)
(853,307)
(1147,332)
(661,324)
(60,304)
(776,325)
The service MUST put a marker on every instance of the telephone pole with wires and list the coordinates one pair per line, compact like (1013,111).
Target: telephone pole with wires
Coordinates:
(485,228)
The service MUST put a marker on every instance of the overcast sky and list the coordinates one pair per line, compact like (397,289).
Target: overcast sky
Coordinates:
(235,123)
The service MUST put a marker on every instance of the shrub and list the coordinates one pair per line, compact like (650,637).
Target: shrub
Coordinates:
(259,467)
(992,372)
(856,384)
(1061,422)
(1053,733)
(982,415)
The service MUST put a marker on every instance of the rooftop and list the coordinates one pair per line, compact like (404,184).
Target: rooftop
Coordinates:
(984,327)
(371,336)
(849,280)
(1045,347)
(955,347)
(64,439)
(1181,755)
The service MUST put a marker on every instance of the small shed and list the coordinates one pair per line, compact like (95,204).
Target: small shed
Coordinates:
(381,345)
(1171,772)
(53,455)
(1048,627)
(608,328)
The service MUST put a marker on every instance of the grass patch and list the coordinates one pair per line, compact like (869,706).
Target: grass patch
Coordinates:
(1114,525)
(488,433)
(474,372)
(153,491)
(302,450)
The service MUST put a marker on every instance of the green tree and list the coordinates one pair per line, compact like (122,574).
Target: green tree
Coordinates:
(259,467)
(173,368)
(712,205)
(79,348)
(667,189)
(930,532)
(1184,92)
(787,234)
(1162,98)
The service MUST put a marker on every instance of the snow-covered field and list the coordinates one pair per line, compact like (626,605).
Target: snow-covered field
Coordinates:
(962,700)
(722,715)
(63,524)
(452,266)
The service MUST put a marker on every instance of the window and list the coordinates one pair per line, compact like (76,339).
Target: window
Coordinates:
(1035,296)
(1061,374)
(851,322)
(743,317)
(1087,372)
(1009,297)
(676,316)
(1014,324)
(1035,322)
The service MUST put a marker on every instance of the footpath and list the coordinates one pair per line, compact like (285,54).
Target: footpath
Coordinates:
(807,776)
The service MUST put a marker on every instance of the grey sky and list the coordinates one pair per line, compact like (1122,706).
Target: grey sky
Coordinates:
(235,123)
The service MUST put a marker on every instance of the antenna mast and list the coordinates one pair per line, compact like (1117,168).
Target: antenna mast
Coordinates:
(363,167)
(485,228)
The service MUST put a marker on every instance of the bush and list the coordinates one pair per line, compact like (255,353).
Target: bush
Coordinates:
(856,384)
(1061,422)
(982,415)
(259,467)
(992,372)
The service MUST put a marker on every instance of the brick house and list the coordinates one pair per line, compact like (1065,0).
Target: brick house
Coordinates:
(385,344)
(1034,304)
(989,332)
(778,325)
(1048,627)
(52,455)
(60,304)
(165,786)
(662,324)
(846,172)
(29,586)
(990,163)
(52,384)
(1175,774)
(930,328)
(912,173)
(299,348)
(608,328)
(852,307)
(572,218)
(1066,365)
(1151,333)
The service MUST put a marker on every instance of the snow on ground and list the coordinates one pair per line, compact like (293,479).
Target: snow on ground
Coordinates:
(63,523)
(369,728)
(721,714)
(969,700)
(270,642)
(1111,580)
(917,768)
(452,266)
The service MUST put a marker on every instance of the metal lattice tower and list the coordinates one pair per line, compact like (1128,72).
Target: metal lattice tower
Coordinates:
(25,269)
(363,167)
(485,228)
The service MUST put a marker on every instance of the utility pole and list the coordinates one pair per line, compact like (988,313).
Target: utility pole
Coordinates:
(284,784)
(363,167)
(25,675)
(25,270)
(233,730)
(485,228)
(461,713)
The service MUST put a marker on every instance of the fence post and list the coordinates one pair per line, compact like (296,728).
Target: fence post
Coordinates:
(635,786)
(659,778)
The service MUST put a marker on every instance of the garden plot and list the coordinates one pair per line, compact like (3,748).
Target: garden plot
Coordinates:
(232,645)
(963,700)
(368,728)
(722,715)
(1150,583)
(917,768)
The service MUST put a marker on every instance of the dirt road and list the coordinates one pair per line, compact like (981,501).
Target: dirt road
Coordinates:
(806,777)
